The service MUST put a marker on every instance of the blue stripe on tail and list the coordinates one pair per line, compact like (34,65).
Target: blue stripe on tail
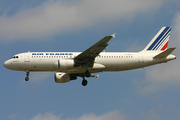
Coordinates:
(159,38)
(162,40)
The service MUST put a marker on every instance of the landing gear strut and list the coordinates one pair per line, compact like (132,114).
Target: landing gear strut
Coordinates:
(27,74)
(87,73)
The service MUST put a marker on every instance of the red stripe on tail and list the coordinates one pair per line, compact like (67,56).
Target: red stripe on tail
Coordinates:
(165,46)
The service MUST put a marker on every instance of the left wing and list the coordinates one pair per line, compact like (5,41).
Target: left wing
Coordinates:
(87,57)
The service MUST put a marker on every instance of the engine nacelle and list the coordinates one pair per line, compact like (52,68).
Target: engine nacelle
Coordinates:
(63,77)
(64,64)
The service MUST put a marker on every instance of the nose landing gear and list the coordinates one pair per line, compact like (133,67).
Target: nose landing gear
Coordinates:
(27,76)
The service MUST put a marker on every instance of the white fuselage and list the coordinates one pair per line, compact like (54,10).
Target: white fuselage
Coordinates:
(106,61)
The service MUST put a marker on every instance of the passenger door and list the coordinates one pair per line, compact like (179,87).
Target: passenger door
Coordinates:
(27,57)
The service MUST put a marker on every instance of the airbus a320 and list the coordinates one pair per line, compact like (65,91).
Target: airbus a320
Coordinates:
(70,65)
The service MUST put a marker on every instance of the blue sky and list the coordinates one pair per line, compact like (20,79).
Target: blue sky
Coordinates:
(57,25)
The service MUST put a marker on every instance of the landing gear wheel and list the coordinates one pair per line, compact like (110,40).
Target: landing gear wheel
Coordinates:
(26,78)
(84,82)
(27,74)
(87,73)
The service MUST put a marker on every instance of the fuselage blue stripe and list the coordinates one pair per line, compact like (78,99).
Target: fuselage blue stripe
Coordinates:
(158,38)
(160,41)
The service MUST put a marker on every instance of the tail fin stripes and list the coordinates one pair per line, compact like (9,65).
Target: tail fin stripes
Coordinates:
(164,41)
(160,41)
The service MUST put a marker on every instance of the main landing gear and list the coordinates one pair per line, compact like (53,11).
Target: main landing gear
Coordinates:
(27,76)
(87,74)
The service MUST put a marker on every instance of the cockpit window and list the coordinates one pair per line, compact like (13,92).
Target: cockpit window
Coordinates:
(15,57)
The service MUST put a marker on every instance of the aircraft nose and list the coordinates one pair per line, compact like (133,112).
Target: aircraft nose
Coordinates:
(7,64)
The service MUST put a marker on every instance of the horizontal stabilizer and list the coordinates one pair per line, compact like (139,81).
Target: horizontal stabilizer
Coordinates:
(96,76)
(165,53)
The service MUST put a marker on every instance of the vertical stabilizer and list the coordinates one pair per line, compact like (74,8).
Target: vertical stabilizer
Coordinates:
(160,40)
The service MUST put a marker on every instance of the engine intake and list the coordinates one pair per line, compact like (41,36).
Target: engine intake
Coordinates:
(63,77)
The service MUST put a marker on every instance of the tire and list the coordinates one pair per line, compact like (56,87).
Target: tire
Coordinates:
(84,82)
(26,78)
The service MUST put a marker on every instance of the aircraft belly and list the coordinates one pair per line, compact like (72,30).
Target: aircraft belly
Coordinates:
(44,65)
(120,64)
(79,70)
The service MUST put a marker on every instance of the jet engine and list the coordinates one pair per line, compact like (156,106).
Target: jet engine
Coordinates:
(64,64)
(63,77)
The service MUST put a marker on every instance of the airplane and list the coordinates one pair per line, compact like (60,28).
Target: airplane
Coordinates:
(70,65)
